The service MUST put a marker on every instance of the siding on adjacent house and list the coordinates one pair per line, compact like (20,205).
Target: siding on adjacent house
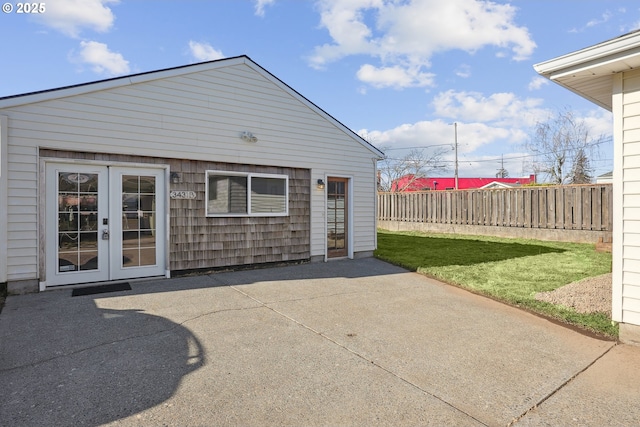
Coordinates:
(194,116)
(627,220)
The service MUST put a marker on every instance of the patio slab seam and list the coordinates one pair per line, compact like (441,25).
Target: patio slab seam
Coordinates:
(359,355)
(336,294)
(85,349)
(560,387)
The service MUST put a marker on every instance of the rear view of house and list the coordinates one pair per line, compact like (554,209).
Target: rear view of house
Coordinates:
(196,167)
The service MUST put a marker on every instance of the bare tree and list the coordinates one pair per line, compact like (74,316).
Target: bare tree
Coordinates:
(563,147)
(414,165)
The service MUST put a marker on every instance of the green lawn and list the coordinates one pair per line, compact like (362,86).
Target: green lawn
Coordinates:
(510,270)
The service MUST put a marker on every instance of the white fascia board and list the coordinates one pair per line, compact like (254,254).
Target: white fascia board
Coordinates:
(82,88)
(608,52)
(64,92)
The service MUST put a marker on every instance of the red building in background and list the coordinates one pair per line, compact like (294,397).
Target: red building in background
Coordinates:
(409,183)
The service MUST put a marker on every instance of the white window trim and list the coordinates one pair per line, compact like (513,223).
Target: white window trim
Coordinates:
(249,175)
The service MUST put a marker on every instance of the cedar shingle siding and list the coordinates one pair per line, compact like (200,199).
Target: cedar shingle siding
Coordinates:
(200,242)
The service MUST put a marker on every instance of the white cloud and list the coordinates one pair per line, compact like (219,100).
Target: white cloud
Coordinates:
(396,77)
(592,23)
(503,109)
(406,34)
(436,134)
(537,82)
(261,4)
(101,59)
(481,128)
(71,16)
(204,51)
(488,165)
(604,18)
(430,136)
(343,20)
(600,122)
(607,16)
(420,134)
(463,71)
(627,28)
(497,122)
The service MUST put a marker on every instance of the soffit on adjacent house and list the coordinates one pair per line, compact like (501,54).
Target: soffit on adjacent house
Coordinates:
(589,72)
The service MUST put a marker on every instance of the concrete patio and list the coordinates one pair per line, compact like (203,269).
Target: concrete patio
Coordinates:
(353,342)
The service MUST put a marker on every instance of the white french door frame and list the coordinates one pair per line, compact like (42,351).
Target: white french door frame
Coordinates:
(154,223)
(350,227)
(109,261)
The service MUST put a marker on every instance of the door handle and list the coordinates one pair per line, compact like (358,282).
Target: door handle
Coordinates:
(105,234)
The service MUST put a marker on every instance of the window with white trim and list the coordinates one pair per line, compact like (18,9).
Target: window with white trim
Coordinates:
(246,194)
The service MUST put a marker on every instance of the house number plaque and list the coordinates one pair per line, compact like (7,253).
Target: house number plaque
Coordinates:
(182,194)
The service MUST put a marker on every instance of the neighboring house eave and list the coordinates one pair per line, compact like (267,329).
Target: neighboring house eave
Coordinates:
(83,88)
(496,184)
(606,52)
(589,72)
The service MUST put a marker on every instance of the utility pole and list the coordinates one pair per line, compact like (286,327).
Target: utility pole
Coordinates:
(455,130)
(502,172)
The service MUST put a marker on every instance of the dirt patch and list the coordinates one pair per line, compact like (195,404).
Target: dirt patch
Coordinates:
(590,295)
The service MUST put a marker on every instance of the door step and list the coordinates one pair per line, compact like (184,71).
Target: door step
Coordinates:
(101,289)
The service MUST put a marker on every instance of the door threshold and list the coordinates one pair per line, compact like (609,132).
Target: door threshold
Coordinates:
(44,287)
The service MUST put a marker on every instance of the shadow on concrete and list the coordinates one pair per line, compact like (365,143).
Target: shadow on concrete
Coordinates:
(426,251)
(68,362)
(242,275)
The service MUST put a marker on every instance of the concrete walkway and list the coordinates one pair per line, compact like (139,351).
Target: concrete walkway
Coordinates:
(342,343)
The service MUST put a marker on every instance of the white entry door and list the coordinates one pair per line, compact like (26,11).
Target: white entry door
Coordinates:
(104,223)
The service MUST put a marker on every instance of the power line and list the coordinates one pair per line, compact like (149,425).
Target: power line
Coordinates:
(524,156)
(420,146)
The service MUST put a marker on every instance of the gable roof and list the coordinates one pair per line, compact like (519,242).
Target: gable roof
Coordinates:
(498,184)
(589,72)
(82,88)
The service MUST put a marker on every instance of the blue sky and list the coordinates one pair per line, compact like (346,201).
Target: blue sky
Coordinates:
(397,72)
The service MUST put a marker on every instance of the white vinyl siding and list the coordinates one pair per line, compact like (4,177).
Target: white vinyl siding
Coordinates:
(627,214)
(3,197)
(197,115)
(22,210)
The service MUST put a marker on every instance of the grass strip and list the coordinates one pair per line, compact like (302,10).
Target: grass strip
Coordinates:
(510,270)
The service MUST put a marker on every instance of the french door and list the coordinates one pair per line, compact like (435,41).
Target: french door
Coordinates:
(337,217)
(104,223)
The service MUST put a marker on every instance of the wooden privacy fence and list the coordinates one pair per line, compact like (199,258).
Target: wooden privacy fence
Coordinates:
(575,207)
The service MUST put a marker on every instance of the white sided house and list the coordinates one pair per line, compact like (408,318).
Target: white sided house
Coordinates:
(208,165)
(609,75)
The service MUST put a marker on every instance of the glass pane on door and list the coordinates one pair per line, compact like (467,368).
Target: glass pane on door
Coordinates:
(77,228)
(138,220)
(337,217)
